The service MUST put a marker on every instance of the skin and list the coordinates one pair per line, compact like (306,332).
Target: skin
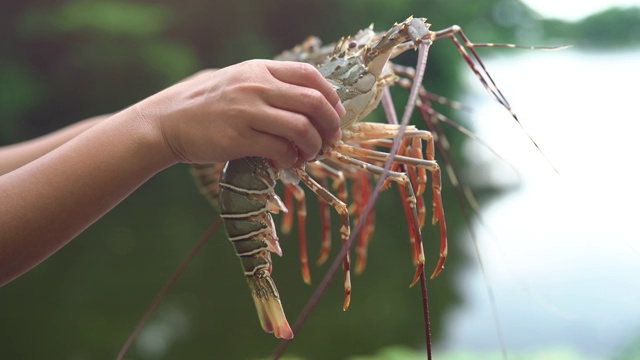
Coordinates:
(54,187)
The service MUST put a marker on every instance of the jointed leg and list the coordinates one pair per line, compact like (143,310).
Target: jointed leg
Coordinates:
(321,171)
(301,212)
(410,199)
(343,153)
(361,193)
(341,208)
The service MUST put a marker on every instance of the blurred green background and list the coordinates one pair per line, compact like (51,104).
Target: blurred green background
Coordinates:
(66,60)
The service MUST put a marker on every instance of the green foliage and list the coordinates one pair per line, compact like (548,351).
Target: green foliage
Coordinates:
(171,60)
(20,91)
(615,27)
(99,17)
(630,351)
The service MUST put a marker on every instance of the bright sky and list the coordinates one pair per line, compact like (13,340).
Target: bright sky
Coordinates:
(575,9)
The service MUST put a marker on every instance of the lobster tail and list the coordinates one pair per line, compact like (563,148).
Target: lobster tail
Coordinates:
(246,200)
(268,305)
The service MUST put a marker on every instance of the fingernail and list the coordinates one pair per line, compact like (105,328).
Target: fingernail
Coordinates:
(340,109)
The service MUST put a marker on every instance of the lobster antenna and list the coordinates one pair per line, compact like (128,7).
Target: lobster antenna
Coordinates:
(485,78)
(391,116)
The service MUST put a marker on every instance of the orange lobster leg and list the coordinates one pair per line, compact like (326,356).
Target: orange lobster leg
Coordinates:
(343,152)
(325,224)
(345,229)
(400,178)
(301,212)
(287,217)
(415,237)
(438,217)
(362,192)
(320,171)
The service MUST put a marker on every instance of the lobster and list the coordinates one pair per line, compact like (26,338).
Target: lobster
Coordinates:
(359,69)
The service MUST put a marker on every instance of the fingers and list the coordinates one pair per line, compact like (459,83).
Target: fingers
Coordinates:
(309,93)
(304,75)
(277,110)
(311,104)
(293,126)
(281,151)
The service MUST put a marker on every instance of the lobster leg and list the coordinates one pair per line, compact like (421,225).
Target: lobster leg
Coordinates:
(207,178)
(430,165)
(410,199)
(415,151)
(385,130)
(325,220)
(321,171)
(415,238)
(369,131)
(438,211)
(432,119)
(287,217)
(301,211)
(405,149)
(345,229)
(362,192)
(360,189)
(416,246)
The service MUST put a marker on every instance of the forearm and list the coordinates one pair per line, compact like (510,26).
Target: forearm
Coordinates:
(47,202)
(17,155)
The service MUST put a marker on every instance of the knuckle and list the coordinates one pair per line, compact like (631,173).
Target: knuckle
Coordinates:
(300,128)
(313,99)
(308,71)
(252,62)
(243,89)
(303,135)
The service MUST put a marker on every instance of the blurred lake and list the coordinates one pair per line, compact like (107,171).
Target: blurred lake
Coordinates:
(562,251)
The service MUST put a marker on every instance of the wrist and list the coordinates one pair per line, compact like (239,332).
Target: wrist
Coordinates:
(141,124)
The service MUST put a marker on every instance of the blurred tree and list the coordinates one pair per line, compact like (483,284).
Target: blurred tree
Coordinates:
(614,27)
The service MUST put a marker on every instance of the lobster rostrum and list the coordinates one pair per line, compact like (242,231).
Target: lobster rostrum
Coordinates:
(357,69)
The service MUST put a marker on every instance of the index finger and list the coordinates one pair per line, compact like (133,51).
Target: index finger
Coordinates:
(306,75)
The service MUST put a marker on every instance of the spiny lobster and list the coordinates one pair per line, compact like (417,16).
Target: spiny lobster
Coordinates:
(359,69)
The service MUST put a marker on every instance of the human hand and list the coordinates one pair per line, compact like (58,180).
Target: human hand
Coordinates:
(271,109)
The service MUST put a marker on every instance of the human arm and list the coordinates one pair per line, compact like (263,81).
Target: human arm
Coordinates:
(17,155)
(256,108)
